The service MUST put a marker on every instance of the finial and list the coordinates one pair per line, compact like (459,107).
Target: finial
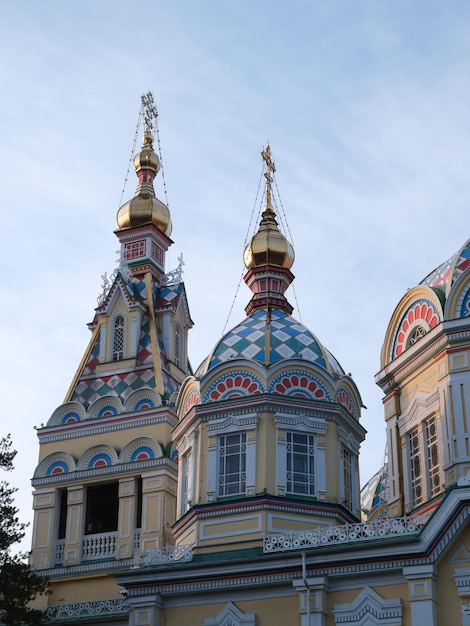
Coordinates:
(149,112)
(270,168)
(104,288)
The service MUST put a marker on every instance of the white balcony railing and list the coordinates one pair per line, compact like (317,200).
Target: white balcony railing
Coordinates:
(347,533)
(99,546)
(96,547)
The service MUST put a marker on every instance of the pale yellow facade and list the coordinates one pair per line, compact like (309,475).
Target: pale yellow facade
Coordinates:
(230,495)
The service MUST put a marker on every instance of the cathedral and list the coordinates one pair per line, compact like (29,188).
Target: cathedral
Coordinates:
(230,495)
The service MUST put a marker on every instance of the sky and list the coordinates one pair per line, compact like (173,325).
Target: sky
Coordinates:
(364,104)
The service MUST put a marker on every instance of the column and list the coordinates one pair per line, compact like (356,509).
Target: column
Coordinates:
(144,610)
(250,462)
(75,523)
(395,461)
(422,594)
(158,507)
(42,556)
(126,518)
(313,600)
(462,582)
(212,469)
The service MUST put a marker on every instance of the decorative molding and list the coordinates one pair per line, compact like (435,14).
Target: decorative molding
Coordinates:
(89,568)
(231,423)
(347,533)
(369,608)
(94,608)
(299,422)
(231,616)
(100,472)
(105,425)
(166,554)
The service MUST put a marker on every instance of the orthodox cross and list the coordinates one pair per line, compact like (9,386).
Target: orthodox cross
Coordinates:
(149,111)
(270,168)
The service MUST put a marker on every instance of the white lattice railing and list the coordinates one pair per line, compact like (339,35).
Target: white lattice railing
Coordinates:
(166,554)
(347,533)
(96,608)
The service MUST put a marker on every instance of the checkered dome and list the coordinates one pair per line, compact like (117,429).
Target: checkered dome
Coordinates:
(288,339)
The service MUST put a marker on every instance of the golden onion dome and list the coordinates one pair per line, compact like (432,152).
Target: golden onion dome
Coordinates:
(145,210)
(145,207)
(147,157)
(269,246)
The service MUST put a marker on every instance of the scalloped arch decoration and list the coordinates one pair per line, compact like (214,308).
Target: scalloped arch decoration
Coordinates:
(463,303)
(344,398)
(105,407)
(67,413)
(99,456)
(143,404)
(192,399)
(234,384)
(59,463)
(143,453)
(421,312)
(107,411)
(70,418)
(299,383)
(141,449)
(100,459)
(142,400)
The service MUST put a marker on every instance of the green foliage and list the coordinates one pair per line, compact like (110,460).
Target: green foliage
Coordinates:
(18,583)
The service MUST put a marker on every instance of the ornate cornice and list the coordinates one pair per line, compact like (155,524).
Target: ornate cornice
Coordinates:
(221,509)
(108,425)
(101,472)
(88,568)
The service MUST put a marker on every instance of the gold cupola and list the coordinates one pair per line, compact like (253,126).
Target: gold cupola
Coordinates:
(269,246)
(145,207)
(269,256)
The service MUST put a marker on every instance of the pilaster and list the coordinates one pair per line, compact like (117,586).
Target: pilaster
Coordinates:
(313,600)
(422,594)
(75,524)
(43,535)
(462,582)
(144,610)
(158,507)
(126,518)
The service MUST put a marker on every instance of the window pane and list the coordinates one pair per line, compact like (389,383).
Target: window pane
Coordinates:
(300,449)
(232,464)
(118,338)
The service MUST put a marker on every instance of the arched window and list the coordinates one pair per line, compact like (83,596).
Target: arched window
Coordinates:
(118,338)
(415,335)
(178,345)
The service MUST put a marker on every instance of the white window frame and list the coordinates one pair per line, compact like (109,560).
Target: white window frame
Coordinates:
(187,452)
(304,450)
(230,448)
(223,426)
(306,425)
(430,464)
(178,346)
(114,328)
(187,481)
(347,458)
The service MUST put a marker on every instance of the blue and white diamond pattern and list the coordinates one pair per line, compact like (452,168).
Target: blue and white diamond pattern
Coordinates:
(288,339)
